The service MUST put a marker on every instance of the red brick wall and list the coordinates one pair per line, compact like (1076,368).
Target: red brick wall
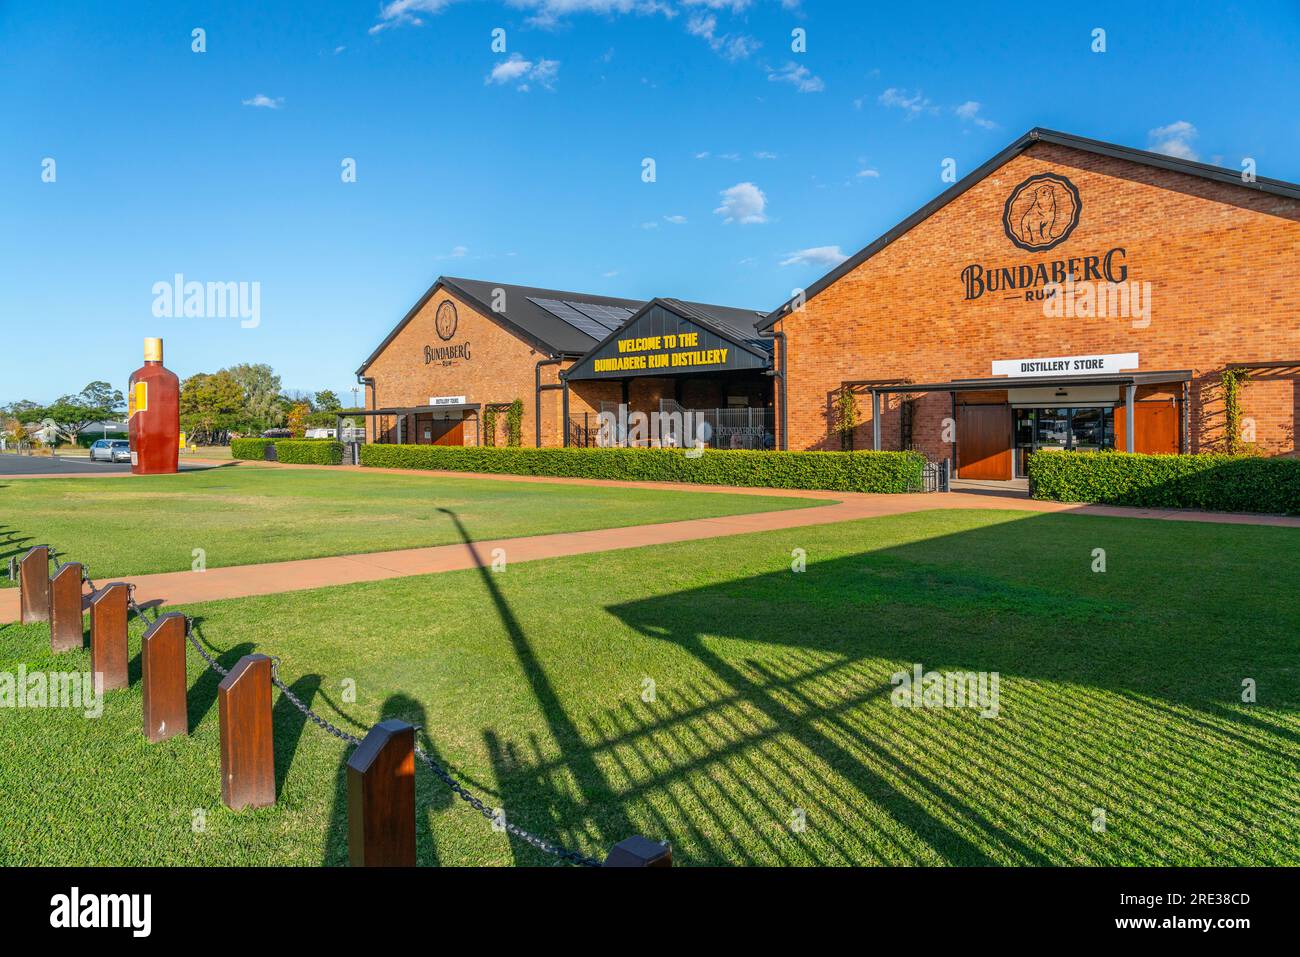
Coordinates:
(1223,262)
(501,368)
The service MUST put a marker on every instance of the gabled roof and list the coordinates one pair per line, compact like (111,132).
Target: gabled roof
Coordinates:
(1036,135)
(740,335)
(540,328)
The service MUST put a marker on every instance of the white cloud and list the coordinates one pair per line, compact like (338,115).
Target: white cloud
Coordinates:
(523,73)
(611,274)
(339,49)
(702,155)
(457,252)
(676,219)
(968,112)
(743,203)
(398,13)
(828,257)
(547,13)
(800,77)
(650,225)
(730,157)
(729,46)
(868,173)
(764,155)
(265,102)
(1174,139)
(913,103)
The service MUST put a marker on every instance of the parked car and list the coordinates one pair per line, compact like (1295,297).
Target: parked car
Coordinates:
(110,450)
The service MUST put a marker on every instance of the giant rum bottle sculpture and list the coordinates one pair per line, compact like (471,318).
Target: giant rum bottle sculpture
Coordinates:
(153,407)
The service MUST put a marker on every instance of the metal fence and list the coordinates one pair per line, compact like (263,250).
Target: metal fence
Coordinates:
(733,428)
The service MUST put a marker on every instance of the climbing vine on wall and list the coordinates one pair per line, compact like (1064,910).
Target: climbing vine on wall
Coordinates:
(1233,381)
(514,422)
(490,425)
(846,417)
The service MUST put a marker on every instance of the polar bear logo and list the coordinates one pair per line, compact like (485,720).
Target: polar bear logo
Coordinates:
(1041,212)
(1037,224)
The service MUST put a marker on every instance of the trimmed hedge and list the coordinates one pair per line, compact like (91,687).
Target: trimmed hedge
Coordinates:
(87,439)
(1214,482)
(834,471)
(249,448)
(309,451)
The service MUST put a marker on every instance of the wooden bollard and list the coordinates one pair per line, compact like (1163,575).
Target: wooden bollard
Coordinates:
(639,852)
(162,653)
(247,746)
(381,797)
(34,585)
(66,623)
(108,616)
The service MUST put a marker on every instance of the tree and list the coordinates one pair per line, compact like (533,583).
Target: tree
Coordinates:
(297,419)
(71,414)
(261,408)
(210,402)
(327,401)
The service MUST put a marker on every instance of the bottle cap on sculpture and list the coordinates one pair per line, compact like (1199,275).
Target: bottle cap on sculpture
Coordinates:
(153,350)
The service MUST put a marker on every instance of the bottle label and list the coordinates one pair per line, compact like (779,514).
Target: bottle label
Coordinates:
(137,399)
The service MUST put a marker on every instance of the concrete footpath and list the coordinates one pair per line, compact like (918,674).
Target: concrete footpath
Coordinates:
(179,588)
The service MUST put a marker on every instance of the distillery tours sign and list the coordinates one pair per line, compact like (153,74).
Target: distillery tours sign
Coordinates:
(445,321)
(1067,365)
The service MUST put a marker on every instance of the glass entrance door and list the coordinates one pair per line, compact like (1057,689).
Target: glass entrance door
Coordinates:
(1073,429)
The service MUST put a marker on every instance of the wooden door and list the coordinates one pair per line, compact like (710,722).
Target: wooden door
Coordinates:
(984,442)
(1155,428)
(448,431)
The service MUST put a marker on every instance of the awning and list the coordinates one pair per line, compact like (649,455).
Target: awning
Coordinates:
(417,410)
(1034,382)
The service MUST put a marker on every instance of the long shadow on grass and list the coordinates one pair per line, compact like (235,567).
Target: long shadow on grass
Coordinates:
(1096,686)
(592,787)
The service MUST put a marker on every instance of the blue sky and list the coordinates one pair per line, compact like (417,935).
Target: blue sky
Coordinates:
(526,166)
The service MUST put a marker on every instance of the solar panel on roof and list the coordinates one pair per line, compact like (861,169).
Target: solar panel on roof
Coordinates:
(611,317)
(563,311)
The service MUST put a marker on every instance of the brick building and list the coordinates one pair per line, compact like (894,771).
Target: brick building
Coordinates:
(1067,294)
(469,345)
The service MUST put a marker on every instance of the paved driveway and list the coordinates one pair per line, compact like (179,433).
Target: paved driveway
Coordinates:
(11,464)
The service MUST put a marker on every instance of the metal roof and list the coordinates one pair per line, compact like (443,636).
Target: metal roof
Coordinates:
(1175,164)
(544,330)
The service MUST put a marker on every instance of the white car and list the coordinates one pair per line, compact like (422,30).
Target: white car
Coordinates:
(110,450)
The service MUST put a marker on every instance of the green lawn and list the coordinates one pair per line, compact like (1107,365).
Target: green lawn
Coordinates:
(251,514)
(1119,691)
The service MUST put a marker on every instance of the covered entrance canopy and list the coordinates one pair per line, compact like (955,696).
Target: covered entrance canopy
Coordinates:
(423,424)
(993,433)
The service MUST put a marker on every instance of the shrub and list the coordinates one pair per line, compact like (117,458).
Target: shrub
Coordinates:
(87,439)
(249,448)
(1215,482)
(835,471)
(309,451)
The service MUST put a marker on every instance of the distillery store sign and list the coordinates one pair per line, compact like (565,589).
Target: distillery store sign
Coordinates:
(1067,365)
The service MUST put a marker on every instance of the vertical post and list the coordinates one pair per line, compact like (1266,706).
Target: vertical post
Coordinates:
(875,420)
(1185,430)
(34,585)
(639,852)
(66,623)
(381,797)
(108,617)
(1130,393)
(162,653)
(247,745)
